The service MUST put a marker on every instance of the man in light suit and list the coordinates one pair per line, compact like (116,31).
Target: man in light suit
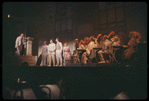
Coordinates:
(58,52)
(51,52)
(18,43)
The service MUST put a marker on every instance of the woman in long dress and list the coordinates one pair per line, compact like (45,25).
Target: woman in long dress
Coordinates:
(66,53)
(129,54)
(132,44)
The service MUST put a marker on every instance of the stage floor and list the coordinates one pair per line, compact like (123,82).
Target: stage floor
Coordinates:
(85,65)
(91,64)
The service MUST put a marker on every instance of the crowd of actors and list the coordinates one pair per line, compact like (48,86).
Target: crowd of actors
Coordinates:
(105,42)
(53,50)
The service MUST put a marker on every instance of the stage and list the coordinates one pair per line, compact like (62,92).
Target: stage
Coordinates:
(92,32)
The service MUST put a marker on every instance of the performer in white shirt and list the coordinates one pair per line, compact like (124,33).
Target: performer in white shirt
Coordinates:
(51,52)
(89,51)
(115,40)
(18,43)
(58,52)
(107,48)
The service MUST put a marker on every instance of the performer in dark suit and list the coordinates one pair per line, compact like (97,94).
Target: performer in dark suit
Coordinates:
(39,60)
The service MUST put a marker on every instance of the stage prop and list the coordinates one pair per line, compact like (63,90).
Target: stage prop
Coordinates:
(29,46)
(31,60)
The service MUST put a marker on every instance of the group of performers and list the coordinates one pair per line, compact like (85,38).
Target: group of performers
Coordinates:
(55,49)
(105,42)
(50,51)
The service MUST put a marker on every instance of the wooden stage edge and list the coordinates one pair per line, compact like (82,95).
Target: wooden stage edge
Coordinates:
(83,65)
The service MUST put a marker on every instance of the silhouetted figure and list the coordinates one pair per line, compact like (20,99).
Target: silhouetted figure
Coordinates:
(39,60)
(6,94)
(24,64)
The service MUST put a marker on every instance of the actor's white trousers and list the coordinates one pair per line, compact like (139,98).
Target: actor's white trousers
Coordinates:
(53,59)
(19,48)
(58,57)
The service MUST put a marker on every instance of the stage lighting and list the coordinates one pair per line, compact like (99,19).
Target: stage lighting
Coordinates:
(8,16)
